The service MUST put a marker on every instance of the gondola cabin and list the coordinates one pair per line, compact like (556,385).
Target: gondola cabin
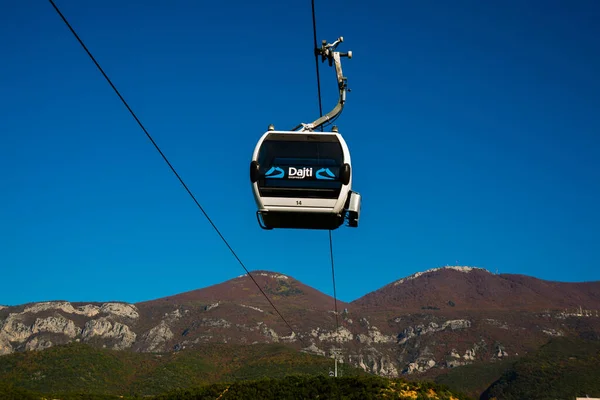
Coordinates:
(303,180)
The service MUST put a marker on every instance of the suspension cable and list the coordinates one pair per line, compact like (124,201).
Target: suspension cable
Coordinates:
(314,21)
(337,324)
(314,24)
(171,166)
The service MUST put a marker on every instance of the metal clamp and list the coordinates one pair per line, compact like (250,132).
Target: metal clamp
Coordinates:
(327,52)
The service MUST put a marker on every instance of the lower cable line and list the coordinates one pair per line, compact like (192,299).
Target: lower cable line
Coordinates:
(314,25)
(172,168)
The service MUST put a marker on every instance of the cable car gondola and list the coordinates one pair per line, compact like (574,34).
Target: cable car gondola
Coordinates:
(303,179)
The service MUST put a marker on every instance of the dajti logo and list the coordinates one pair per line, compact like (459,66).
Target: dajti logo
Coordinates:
(300,173)
(274,172)
(325,173)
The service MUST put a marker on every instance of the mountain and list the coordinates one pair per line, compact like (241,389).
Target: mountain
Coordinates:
(236,312)
(468,288)
(285,290)
(563,368)
(421,325)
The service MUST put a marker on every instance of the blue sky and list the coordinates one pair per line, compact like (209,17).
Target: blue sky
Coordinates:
(473,128)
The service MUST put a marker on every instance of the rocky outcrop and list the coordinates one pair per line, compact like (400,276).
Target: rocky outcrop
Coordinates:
(419,330)
(448,267)
(174,315)
(374,336)
(120,310)
(25,327)
(269,333)
(375,363)
(14,330)
(252,308)
(421,365)
(553,332)
(313,349)
(422,362)
(64,306)
(36,344)
(88,310)
(5,346)
(215,322)
(274,276)
(56,324)
(105,328)
(500,351)
(342,335)
(156,337)
(454,359)
(470,354)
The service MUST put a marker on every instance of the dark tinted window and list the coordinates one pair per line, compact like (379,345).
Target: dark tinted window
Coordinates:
(300,166)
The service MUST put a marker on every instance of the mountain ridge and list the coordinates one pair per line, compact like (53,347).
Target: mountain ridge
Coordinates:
(233,289)
(261,272)
(463,269)
(479,288)
(425,323)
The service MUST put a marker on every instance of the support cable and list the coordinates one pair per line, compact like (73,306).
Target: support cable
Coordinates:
(314,21)
(171,166)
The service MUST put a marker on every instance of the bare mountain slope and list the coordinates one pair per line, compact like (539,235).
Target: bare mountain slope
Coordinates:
(215,310)
(282,289)
(467,288)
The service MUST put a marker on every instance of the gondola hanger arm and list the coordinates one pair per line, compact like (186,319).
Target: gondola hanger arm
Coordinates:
(327,52)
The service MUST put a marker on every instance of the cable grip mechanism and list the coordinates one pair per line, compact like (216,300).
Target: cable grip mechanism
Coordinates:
(328,52)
